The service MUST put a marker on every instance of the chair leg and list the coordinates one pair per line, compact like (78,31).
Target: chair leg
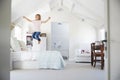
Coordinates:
(95,61)
(102,63)
(92,60)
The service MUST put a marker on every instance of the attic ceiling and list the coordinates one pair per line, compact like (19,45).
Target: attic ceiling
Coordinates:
(92,10)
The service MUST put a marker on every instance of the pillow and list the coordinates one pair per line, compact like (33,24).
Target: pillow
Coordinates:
(15,44)
(23,46)
(78,52)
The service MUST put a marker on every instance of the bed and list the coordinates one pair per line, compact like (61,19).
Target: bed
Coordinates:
(37,60)
(37,57)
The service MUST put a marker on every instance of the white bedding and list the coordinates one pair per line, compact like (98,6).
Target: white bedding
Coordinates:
(45,59)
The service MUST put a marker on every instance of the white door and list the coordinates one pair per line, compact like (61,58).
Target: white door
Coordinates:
(60,38)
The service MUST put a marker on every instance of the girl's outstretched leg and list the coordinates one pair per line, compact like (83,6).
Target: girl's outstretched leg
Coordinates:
(38,37)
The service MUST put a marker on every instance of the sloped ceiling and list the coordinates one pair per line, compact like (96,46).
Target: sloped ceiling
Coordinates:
(90,10)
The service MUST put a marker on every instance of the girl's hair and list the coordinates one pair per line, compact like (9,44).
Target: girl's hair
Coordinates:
(39,16)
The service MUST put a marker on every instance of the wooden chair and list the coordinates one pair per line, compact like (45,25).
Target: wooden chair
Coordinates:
(97,51)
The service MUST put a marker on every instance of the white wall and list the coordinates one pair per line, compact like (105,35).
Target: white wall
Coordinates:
(114,24)
(101,34)
(4,39)
(81,33)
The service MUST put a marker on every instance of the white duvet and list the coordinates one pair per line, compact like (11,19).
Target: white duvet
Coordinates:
(45,59)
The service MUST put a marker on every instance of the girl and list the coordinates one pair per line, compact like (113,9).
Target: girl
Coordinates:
(37,24)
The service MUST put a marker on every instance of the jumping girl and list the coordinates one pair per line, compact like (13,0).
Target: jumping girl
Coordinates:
(37,25)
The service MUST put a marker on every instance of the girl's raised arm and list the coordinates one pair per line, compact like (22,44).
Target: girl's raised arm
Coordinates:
(46,20)
(27,19)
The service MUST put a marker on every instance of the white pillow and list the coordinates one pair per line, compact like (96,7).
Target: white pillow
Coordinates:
(23,46)
(78,52)
(15,44)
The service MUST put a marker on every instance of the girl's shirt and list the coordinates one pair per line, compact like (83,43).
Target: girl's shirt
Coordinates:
(37,25)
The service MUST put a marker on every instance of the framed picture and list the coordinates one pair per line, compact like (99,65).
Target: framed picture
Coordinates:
(29,41)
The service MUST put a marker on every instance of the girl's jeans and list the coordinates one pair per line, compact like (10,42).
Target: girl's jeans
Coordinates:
(36,35)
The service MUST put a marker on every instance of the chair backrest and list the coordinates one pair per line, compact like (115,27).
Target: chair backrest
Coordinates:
(97,47)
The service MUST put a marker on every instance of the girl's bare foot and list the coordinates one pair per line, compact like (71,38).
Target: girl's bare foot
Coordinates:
(39,42)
